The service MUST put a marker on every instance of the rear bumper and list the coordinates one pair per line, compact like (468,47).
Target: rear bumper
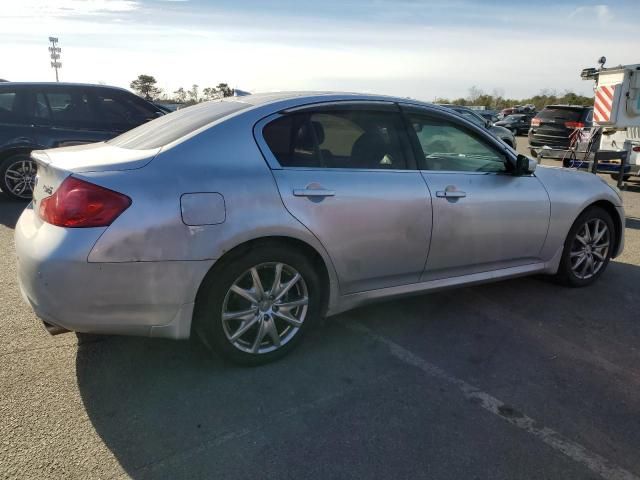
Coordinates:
(129,298)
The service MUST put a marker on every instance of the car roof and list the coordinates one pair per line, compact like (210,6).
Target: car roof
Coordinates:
(59,85)
(574,107)
(257,99)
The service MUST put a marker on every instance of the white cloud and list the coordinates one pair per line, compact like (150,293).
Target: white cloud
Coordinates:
(67,8)
(601,13)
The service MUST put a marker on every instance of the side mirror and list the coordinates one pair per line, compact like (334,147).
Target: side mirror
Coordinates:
(488,123)
(524,165)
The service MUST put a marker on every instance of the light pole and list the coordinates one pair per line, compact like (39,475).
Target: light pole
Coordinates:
(55,55)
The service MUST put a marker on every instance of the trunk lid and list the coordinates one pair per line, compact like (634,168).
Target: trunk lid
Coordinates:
(56,164)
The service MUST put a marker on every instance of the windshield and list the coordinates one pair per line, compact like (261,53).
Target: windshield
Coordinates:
(171,127)
(472,117)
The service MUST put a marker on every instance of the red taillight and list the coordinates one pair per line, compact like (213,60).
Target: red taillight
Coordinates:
(80,204)
(574,124)
(535,122)
(636,149)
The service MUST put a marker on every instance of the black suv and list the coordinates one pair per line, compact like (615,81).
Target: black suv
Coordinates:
(555,125)
(47,115)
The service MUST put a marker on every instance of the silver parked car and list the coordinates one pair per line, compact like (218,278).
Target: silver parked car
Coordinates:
(245,220)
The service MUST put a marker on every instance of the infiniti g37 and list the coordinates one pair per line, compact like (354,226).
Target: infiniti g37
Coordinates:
(243,221)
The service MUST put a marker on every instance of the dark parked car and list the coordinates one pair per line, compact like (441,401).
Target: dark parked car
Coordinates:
(36,116)
(518,123)
(554,127)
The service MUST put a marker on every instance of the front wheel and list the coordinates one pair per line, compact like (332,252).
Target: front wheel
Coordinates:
(17,176)
(587,248)
(255,308)
(616,177)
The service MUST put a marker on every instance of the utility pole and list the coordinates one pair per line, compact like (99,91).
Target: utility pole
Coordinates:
(55,55)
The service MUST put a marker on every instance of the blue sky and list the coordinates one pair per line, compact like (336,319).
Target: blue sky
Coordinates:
(417,48)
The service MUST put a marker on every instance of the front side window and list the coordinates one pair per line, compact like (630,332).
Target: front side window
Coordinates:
(449,147)
(121,112)
(356,139)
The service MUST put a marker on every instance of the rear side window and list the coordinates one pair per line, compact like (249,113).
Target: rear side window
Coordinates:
(171,127)
(561,114)
(359,139)
(7,101)
(66,108)
(11,108)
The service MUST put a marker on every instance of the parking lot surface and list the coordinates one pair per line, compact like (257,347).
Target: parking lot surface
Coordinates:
(520,379)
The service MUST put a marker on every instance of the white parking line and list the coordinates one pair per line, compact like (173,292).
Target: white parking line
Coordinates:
(573,450)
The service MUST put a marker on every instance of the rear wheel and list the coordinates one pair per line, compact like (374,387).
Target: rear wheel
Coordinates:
(587,248)
(255,308)
(17,176)
(533,152)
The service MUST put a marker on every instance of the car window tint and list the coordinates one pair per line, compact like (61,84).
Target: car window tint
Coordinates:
(68,108)
(560,114)
(121,112)
(338,139)
(171,127)
(450,148)
(41,107)
(8,102)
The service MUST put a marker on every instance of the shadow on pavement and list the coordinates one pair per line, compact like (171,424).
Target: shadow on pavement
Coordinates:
(170,408)
(10,211)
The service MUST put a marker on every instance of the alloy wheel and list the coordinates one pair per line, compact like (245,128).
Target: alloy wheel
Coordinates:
(590,248)
(19,178)
(264,308)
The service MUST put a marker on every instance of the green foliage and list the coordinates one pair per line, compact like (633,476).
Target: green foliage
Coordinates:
(145,86)
(496,101)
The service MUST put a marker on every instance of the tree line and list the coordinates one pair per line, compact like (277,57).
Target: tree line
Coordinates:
(497,101)
(145,86)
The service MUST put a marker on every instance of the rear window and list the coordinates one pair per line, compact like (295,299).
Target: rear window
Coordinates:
(561,114)
(171,127)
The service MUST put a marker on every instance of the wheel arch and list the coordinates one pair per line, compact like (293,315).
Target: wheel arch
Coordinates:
(618,222)
(15,150)
(290,242)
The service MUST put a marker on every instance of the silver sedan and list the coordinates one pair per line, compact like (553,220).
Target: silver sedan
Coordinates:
(243,221)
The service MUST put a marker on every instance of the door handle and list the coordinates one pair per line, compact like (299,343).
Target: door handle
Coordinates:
(451,194)
(313,192)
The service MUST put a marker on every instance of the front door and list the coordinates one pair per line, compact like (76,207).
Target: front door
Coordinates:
(347,173)
(484,218)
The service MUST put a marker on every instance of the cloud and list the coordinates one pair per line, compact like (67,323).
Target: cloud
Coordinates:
(601,13)
(68,8)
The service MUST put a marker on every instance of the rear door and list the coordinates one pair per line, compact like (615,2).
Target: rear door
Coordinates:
(346,171)
(66,116)
(484,218)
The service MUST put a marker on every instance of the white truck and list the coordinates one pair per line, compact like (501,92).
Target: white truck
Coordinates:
(616,111)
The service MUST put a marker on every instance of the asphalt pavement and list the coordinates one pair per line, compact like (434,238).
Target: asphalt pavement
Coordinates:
(520,379)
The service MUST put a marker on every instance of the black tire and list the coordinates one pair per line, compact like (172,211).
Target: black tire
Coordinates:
(566,274)
(208,323)
(5,184)
(534,153)
(616,176)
